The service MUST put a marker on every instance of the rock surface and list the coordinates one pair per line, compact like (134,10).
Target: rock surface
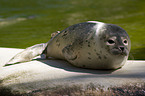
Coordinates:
(43,74)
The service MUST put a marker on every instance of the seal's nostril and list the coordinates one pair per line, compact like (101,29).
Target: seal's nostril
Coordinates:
(121,48)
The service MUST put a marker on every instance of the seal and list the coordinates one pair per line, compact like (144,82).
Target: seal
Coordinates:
(92,44)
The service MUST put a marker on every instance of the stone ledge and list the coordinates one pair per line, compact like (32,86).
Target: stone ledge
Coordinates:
(43,74)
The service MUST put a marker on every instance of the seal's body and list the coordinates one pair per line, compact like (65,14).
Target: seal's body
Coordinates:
(91,44)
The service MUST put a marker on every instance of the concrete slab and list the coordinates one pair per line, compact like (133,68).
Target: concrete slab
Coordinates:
(42,74)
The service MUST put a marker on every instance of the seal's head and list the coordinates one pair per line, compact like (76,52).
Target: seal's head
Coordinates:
(117,40)
(116,43)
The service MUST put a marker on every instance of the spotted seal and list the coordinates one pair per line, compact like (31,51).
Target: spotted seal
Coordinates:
(91,44)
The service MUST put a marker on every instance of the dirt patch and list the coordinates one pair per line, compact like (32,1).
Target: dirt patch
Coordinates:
(137,89)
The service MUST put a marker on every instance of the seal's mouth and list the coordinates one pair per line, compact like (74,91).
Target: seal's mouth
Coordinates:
(119,51)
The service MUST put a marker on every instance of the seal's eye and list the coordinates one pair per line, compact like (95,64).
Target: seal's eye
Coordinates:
(125,42)
(111,42)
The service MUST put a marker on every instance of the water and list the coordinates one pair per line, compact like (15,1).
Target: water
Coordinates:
(25,23)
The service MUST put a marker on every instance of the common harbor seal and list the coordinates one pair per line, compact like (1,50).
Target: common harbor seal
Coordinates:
(91,44)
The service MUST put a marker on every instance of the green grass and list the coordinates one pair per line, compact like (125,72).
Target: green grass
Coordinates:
(39,18)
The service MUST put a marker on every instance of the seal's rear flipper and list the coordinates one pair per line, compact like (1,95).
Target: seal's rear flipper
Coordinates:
(28,54)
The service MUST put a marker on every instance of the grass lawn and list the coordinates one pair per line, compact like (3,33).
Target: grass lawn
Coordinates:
(25,23)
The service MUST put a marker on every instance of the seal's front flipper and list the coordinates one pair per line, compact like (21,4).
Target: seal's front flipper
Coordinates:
(28,54)
(69,53)
(54,34)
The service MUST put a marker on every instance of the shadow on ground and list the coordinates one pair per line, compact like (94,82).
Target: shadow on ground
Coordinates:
(61,64)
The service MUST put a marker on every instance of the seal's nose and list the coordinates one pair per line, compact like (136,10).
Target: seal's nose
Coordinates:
(121,48)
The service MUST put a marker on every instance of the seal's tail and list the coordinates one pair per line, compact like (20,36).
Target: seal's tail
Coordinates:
(28,54)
